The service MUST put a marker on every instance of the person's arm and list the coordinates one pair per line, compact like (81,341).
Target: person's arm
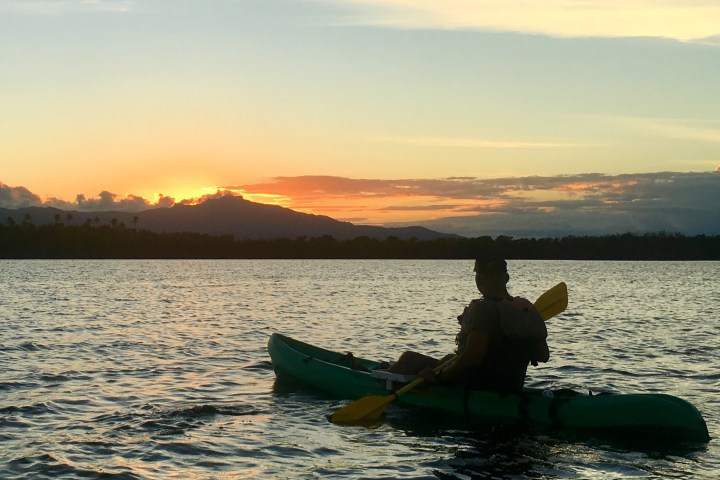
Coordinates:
(472,356)
(541,352)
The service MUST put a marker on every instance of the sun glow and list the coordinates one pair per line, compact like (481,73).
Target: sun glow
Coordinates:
(187,195)
(267,198)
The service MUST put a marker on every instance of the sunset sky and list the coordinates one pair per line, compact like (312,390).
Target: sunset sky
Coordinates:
(457,114)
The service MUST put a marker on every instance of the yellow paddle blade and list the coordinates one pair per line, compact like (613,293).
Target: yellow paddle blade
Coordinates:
(367,408)
(553,301)
(372,406)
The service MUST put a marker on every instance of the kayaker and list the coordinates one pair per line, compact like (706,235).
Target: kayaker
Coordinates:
(499,336)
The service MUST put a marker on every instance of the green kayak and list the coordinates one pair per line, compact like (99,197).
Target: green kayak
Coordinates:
(658,415)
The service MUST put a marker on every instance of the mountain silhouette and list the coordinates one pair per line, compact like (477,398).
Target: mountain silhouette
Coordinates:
(226,215)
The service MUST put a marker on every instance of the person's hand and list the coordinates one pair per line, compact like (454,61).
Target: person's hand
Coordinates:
(460,317)
(429,375)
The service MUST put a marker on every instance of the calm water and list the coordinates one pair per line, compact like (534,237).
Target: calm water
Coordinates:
(159,369)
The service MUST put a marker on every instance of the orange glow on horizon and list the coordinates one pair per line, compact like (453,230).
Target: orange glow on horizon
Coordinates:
(187,195)
(373,201)
(266,198)
(588,186)
(396,208)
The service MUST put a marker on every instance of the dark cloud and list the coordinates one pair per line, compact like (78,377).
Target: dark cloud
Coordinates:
(412,208)
(584,204)
(319,186)
(107,201)
(467,188)
(626,187)
(20,197)
(713,40)
(537,223)
(218,194)
(165,202)
(59,203)
(667,190)
(17,197)
(671,202)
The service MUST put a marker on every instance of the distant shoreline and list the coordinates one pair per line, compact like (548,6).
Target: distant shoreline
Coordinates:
(58,241)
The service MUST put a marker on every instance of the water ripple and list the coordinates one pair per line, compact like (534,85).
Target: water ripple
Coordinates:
(159,369)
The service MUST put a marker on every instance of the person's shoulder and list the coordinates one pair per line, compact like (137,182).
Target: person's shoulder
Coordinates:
(522,302)
(481,302)
(481,307)
(482,316)
(526,306)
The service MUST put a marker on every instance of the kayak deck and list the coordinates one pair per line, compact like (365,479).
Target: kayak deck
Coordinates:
(332,372)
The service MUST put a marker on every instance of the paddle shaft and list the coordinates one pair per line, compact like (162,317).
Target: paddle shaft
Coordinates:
(420,380)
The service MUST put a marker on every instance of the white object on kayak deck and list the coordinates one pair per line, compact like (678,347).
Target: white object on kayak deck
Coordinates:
(391,377)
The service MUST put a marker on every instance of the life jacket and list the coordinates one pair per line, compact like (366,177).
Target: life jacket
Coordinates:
(522,326)
(514,327)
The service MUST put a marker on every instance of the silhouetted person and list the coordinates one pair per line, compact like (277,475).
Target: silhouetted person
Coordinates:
(499,336)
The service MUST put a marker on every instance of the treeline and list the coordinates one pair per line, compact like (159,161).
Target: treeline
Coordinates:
(117,241)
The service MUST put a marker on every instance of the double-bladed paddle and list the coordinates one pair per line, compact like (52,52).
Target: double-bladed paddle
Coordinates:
(549,304)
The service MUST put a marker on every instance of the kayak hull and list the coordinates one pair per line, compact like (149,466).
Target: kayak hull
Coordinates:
(659,414)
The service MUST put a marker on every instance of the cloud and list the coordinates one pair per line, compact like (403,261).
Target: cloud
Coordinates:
(591,203)
(533,206)
(320,187)
(424,208)
(713,41)
(533,223)
(454,142)
(17,197)
(50,7)
(21,197)
(671,202)
(687,20)
(218,194)
(687,129)
(467,188)
(107,201)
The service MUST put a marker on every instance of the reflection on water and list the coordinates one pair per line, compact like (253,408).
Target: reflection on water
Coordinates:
(159,369)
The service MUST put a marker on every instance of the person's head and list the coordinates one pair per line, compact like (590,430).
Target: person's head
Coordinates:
(491,275)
